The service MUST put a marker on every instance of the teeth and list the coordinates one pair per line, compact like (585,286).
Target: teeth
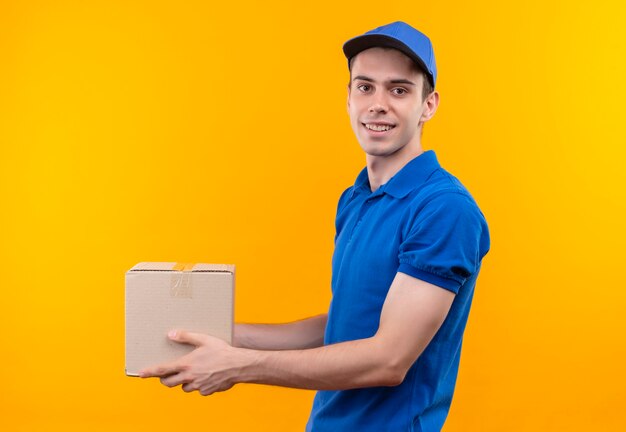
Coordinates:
(378,128)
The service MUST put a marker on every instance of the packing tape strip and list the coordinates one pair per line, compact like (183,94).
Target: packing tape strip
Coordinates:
(183,266)
(180,283)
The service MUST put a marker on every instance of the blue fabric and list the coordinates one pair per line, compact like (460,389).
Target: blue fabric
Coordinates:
(424,223)
(401,36)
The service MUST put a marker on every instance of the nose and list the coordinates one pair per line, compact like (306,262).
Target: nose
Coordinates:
(378,108)
(379,105)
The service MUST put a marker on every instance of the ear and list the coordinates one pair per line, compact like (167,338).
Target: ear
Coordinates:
(348,99)
(430,106)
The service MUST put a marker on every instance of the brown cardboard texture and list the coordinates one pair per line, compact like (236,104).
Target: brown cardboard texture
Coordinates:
(163,296)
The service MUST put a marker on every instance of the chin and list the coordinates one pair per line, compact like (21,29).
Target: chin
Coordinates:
(379,147)
(380,152)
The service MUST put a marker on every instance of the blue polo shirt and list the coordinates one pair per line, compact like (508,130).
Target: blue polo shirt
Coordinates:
(424,223)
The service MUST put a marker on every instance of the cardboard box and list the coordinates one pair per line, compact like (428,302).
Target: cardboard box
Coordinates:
(162,296)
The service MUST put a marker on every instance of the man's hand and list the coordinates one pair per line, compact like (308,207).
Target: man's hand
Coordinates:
(210,368)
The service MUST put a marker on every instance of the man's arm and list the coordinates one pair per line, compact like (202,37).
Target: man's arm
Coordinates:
(306,333)
(412,313)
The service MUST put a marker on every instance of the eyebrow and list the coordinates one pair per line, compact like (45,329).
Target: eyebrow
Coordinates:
(393,81)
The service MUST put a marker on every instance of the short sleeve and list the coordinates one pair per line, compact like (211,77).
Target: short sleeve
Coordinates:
(444,241)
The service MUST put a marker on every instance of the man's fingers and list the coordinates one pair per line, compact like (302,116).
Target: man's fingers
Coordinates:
(174,380)
(181,336)
(189,387)
(160,370)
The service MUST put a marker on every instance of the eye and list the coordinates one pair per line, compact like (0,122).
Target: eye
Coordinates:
(399,91)
(364,87)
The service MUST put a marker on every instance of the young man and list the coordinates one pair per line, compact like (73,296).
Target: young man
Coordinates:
(408,248)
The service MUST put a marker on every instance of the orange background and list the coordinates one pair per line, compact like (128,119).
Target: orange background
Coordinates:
(201,132)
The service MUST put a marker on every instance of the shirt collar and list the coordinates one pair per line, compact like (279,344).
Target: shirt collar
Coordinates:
(409,178)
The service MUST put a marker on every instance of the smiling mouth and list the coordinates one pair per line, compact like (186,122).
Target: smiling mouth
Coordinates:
(378,127)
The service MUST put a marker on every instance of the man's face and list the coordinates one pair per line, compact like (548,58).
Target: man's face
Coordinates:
(385,102)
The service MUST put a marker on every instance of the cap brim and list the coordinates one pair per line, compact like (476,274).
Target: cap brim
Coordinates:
(361,43)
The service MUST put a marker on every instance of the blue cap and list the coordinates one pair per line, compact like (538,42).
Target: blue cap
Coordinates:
(404,38)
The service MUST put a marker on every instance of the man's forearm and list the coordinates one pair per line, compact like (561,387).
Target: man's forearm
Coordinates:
(347,365)
(307,333)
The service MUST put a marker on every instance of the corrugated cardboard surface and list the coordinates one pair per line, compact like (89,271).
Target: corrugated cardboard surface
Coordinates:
(160,299)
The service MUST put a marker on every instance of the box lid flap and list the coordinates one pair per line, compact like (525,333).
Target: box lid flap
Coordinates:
(173,266)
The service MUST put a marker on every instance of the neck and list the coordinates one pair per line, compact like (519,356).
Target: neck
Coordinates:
(381,168)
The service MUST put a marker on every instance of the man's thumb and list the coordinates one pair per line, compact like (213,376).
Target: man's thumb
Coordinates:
(186,337)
